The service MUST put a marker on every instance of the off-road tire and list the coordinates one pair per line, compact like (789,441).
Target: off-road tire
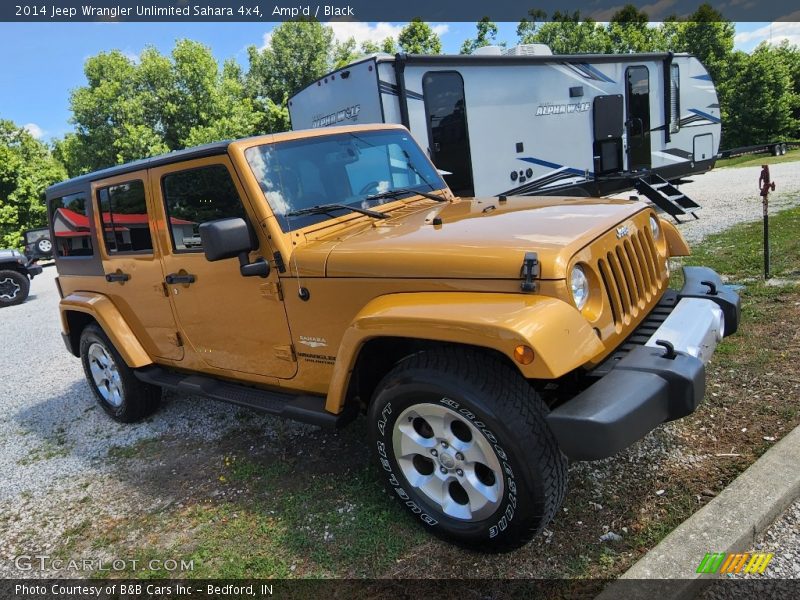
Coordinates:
(137,398)
(503,408)
(11,280)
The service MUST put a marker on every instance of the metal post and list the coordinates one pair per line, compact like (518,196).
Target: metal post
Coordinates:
(766,237)
(766,186)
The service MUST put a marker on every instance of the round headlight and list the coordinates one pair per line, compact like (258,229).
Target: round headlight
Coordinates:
(654,227)
(579,286)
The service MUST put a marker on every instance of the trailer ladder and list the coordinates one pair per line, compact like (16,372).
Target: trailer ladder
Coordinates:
(666,196)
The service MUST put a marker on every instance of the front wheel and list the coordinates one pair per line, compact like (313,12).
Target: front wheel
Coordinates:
(463,444)
(14,288)
(116,388)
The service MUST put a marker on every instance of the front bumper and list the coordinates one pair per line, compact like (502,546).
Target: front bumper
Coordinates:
(33,270)
(649,384)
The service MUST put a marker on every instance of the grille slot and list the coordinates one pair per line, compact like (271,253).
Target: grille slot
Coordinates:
(631,276)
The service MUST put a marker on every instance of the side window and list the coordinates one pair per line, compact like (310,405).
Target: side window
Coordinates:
(123,213)
(675,99)
(195,196)
(73,236)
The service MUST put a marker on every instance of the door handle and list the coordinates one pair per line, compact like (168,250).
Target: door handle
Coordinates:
(118,276)
(175,278)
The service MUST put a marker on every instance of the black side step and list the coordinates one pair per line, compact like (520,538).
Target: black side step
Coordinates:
(666,196)
(306,409)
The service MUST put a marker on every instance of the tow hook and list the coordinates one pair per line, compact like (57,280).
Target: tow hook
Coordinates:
(670,353)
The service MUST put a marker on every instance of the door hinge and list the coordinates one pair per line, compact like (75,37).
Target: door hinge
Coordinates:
(177,339)
(165,289)
(286,353)
(272,288)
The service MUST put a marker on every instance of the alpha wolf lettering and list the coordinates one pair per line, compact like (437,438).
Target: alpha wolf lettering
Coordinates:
(561,109)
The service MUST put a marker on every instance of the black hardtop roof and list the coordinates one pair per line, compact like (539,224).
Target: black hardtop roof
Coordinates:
(75,183)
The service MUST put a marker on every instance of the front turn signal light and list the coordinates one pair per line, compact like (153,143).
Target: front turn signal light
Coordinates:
(523,354)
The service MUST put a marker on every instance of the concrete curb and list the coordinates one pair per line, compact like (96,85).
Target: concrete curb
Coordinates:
(729,523)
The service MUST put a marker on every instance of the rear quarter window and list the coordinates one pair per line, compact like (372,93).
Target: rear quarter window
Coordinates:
(71,229)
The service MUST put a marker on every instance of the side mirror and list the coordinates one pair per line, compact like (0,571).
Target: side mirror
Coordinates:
(229,238)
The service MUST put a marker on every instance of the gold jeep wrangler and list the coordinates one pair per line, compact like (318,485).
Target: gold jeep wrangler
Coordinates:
(317,274)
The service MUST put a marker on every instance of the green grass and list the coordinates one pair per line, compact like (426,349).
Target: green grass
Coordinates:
(134,450)
(756,160)
(54,447)
(738,252)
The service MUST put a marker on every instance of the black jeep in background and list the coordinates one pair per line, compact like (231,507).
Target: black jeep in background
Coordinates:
(16,271)
(38,244)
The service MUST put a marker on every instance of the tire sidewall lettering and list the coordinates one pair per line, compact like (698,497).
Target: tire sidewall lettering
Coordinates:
(511,487)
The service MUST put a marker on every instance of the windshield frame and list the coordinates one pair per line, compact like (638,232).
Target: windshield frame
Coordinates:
(418,166)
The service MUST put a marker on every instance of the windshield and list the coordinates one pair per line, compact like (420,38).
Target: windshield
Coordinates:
(344,168)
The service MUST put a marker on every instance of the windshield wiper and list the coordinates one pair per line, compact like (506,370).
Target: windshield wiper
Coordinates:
(327,208)
(401,191)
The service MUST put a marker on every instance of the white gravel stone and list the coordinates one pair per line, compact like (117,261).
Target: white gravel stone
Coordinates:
(731,195)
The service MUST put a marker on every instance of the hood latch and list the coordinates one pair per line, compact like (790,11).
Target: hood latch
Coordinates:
(530,271)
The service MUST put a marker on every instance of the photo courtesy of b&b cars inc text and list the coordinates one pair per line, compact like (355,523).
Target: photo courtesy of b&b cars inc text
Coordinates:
(389,301)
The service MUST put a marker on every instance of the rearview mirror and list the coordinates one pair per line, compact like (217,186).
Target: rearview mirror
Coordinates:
(229,238)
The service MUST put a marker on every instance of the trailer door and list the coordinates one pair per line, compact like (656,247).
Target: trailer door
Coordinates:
(637,96)
(446,114)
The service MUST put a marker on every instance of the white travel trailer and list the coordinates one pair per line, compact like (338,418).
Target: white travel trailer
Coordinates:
(526,122)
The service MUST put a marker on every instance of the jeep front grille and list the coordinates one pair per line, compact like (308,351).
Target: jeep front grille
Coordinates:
(631,275)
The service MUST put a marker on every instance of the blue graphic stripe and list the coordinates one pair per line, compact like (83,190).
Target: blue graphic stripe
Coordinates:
(711,118)
(597,73)
(705,77)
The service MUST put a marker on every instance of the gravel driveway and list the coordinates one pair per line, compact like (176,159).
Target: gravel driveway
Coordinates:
(55,442)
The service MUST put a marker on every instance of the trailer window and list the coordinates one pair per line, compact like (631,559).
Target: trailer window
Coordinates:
(344,168)
(675,99)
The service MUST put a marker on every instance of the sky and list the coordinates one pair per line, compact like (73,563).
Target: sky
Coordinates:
(41,62)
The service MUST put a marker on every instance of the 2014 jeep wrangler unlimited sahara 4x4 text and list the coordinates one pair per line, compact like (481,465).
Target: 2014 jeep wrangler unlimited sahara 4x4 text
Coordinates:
(315,274)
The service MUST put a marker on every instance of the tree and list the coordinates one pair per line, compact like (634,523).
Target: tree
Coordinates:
(418,38)
(709,37)
(763,95)
(27,167)
(789,55)
(629,31)
(565,34)
(387,45)
(526,30)
(487,36)
(297,54)
(130,110)
(344,53)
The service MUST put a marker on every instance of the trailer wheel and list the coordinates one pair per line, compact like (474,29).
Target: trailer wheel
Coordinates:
(783,149)
(462,443)
(776,150)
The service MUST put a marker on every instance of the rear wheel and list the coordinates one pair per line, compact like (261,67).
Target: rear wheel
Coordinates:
(14,287)
(115,386)
(462,443)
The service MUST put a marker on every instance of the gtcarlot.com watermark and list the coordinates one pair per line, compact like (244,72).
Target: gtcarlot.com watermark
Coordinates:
(43,562)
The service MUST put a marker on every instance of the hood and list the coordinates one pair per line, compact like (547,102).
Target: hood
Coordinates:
(477,238)
(8,255)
